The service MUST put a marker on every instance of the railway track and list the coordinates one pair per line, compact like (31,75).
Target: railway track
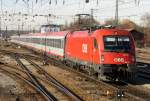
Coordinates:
(36,82)
(129,89)
(56,83)
(143,63)
(30,79)
(47,78)
(143,70)
(14,74)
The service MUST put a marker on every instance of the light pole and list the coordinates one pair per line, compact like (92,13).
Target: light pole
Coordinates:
(0,31)
(116,14)
(0,27)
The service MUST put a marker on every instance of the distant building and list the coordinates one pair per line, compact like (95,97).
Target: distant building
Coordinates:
(138,37)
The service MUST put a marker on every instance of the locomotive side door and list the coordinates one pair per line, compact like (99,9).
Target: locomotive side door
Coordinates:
(95,53)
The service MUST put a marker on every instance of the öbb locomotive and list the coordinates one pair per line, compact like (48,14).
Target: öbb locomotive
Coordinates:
(109,53)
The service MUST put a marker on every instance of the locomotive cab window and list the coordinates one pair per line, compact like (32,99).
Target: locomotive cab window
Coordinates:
(95,44)
(117,43)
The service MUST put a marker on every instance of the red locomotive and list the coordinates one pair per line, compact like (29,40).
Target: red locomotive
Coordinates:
(110,53)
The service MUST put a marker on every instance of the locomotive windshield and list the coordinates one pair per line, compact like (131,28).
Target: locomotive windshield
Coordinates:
(117,43)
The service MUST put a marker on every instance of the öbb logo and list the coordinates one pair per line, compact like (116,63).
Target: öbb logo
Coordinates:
(118,59)
(84,48)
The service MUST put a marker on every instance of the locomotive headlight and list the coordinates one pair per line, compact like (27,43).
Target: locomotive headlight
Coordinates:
(102,58)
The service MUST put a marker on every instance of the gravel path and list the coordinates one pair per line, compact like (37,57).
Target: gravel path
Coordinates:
(9,85)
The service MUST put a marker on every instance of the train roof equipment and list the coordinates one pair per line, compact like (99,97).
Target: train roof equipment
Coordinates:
(50,28)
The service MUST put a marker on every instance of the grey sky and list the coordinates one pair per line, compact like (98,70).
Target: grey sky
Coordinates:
(64,10)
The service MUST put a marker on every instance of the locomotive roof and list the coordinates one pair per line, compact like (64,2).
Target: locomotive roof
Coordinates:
(101,32)
(112,32)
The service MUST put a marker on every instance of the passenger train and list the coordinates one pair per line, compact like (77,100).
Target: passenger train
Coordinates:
(108,53)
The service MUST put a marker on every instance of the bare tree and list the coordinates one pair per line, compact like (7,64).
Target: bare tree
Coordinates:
(146,19)
(128,24)
(125,24)
(110,21)
(146,22)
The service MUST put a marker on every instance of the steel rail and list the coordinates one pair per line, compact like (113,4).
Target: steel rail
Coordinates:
(21,78)
(56,83)
(112,86)
(49,78)
(35,82)
(106,84)
(127,93)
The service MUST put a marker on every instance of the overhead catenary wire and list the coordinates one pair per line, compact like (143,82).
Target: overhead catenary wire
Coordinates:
(69,3)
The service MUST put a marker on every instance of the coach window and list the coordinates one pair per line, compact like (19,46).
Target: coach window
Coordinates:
(29,40)
(50,42)
(43,41)
(95,44)
(38,40)
(32,40)
(62,43)
(54,42)
(57,43)
(47,41)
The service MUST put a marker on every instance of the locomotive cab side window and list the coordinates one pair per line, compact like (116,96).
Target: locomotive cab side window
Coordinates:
(95,44)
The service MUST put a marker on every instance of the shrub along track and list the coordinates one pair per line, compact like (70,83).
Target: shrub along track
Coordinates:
(101,88)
